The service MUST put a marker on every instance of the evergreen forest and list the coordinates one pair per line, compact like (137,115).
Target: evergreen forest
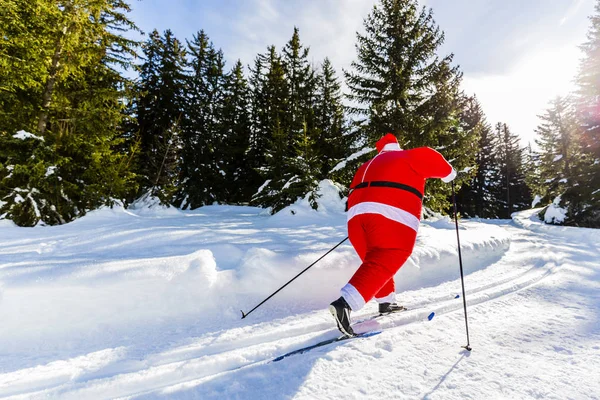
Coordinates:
(90,118)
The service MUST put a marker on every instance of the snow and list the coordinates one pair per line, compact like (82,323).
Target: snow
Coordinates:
(262,187)
(50,170)
(536,200)
(22,135)
(291,181)
(342,164)
(143,303)
(146,205)
(555,214)
(330,203)
(558,157)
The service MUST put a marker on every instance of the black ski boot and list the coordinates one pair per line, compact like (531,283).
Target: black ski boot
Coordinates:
(388,308)
(341,312)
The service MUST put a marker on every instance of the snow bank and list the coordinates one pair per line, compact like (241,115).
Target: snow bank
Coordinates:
(530,220)
(7,223)
(330,203)
(148,205)
(434,261)
(107,300)
(435,258)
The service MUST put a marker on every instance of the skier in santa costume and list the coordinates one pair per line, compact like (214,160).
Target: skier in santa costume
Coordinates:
(384,210)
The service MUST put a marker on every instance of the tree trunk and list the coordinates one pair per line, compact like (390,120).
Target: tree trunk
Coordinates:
(52,76)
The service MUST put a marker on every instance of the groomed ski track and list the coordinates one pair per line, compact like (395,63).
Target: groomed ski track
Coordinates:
(525,284)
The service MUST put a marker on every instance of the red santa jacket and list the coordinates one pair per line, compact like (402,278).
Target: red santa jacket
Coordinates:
(392,183)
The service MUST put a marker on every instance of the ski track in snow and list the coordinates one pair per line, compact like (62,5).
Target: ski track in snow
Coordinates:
(152,313)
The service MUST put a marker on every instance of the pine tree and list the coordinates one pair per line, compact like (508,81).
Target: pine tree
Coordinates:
(303,162)
(301,80)
(203,142)
(589,87)
(476,199)
(558,150)
(260,132)
(26,33)
(513,193)
(236,127)
(400,85)
(582,198)
(159,114)
(333,143)
(533,175)
(72,100)
(279,170)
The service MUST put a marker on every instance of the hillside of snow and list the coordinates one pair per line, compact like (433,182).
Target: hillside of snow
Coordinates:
(144,303)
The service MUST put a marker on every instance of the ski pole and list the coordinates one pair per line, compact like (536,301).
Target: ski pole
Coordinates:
(244,315)
(462,278)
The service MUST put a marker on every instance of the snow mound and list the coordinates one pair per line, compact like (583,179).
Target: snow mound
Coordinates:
(440,222)
(7,223)
(555,214)
(102,215)
(330,201)
(150,206)
(435,257)
(530,220)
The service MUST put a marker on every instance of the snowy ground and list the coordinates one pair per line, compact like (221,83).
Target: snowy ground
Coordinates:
(145,304)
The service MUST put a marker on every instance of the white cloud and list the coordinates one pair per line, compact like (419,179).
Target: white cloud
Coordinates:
(328,28)
(520,95)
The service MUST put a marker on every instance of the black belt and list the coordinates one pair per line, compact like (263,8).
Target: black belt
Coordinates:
(387,184)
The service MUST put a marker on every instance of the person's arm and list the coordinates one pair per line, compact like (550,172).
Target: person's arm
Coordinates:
(430,164)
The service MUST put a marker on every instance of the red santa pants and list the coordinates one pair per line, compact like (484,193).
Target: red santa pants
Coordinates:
(383,245)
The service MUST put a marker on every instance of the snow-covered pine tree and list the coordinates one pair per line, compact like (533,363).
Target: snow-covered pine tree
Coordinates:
(476,199)
(70,97)
(399,84)
(159,114)
(513,193)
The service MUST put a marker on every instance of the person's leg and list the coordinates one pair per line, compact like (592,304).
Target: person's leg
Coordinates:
(387,293)
(358,237)
(389,244)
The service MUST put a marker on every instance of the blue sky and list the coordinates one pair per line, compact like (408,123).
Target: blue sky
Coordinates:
(516,55)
